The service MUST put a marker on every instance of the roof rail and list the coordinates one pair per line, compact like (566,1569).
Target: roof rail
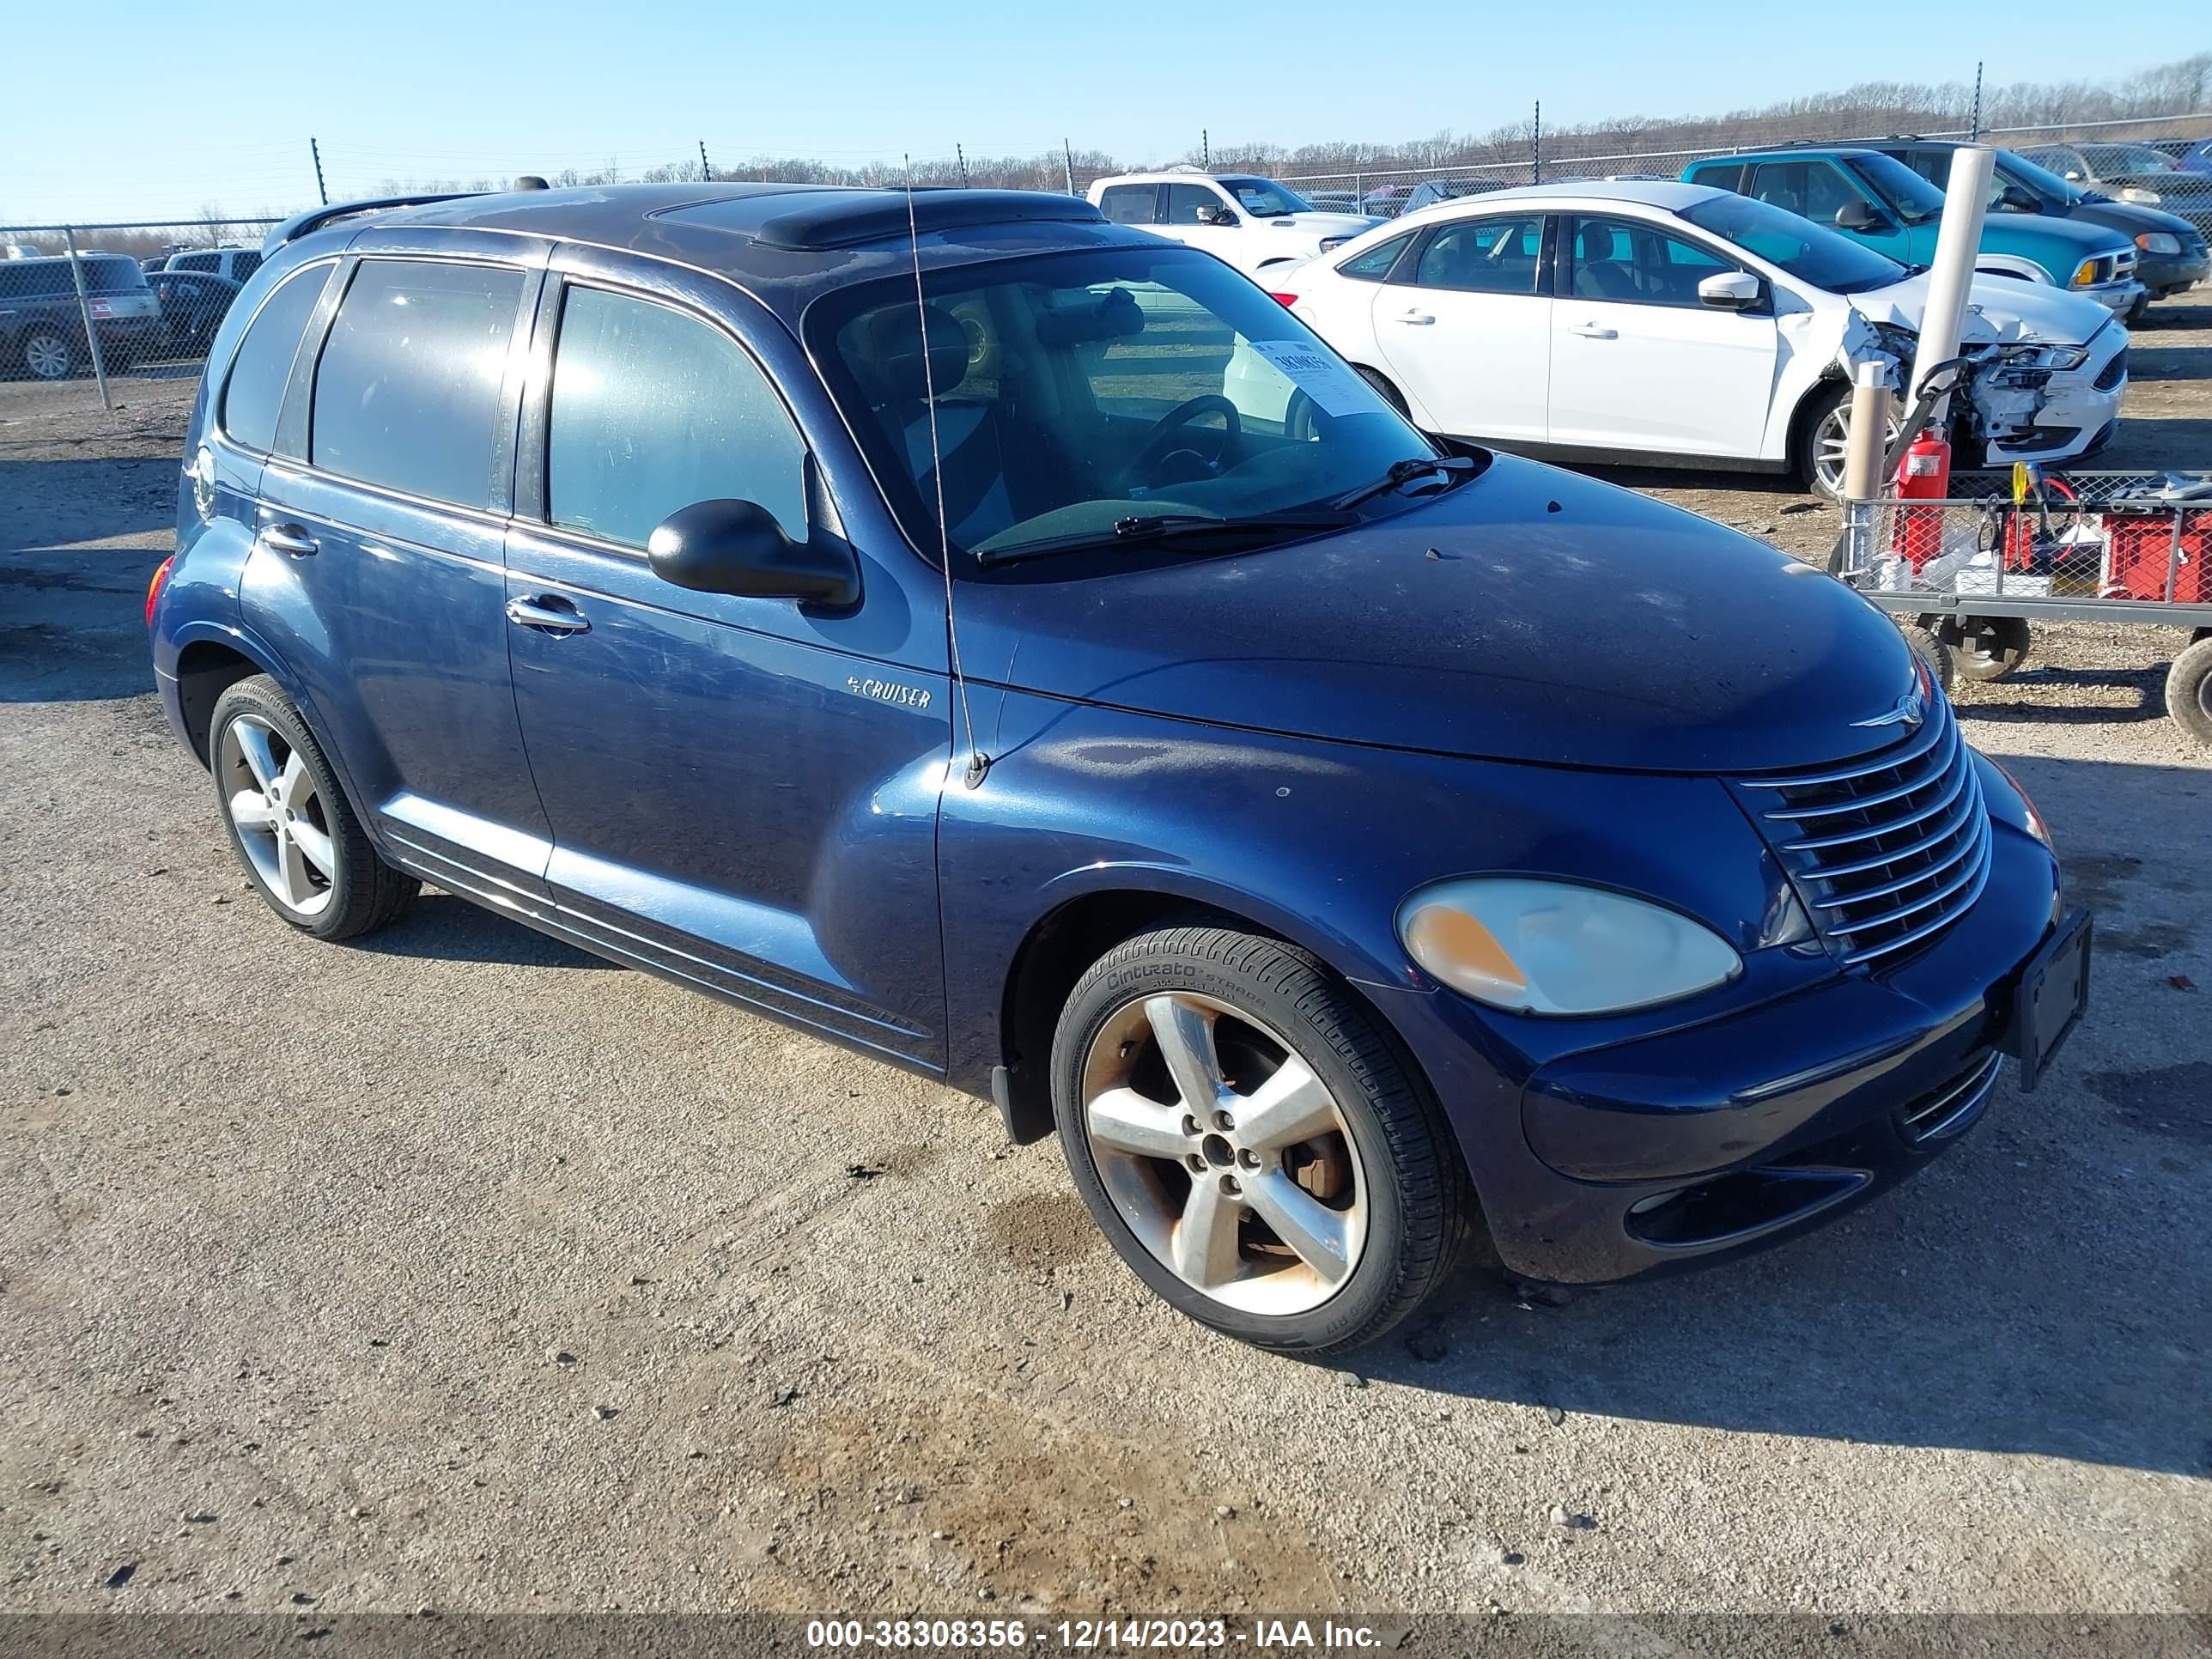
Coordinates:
(302,224)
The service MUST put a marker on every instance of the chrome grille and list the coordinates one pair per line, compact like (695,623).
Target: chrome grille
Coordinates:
(1886,851)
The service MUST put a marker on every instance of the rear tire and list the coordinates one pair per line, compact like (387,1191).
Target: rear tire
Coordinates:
(1310,1219)
(2189,691)
(1389,394)
(293,830)
(48,354)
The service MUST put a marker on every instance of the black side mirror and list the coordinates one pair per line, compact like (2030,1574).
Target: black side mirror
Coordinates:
(1223,216)
(1860,215)
(2012,199)
(737,547)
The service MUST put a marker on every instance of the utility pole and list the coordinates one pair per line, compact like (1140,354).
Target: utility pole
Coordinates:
(1205,149)
(1067,154)
(960,161)
(1974,131)
(706,172)
(1536,147)
(316,151)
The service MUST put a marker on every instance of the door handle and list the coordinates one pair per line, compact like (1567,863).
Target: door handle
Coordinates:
(289,540)
(1592,331)
(548,614)
(1417,317)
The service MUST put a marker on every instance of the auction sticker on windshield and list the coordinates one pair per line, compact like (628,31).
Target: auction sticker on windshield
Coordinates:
(1335,389)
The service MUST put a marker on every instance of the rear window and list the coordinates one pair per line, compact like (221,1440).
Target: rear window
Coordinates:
(115,275)
(244,265)
(194,262)
(408,387)
(254,394)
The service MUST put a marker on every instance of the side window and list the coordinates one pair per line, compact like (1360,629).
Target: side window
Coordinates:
(1374,265)
(1625,259)
(1484,256)
(1933,165)
(197,262)
(1128,204)
(245,265)
(254,394)
(408,387)
(1187,201)
(654,410)
(1780,183)
(1721,175)
(1827,193)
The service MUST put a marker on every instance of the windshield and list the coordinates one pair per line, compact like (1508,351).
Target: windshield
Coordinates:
(1263,198)
(1077,393)
(1916,200)
(2038,181)
(2110,161)
(1806,251)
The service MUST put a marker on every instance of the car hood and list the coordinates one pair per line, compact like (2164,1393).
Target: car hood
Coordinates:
(1998,308)
(1325,224)
(2132,219)
(1528,615)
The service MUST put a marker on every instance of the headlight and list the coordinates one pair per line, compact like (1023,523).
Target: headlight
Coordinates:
(1330,244)
(2159,241)
(1550,947)
(2136,193)
(2046,356)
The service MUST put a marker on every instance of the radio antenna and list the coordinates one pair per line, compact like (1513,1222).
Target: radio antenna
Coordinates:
(978,762)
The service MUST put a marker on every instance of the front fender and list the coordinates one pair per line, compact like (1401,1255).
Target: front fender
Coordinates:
(1318,843)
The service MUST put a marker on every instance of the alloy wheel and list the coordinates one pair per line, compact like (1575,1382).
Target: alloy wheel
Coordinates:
(1224,1154)
(1832,442)
(48,356)
(278,811)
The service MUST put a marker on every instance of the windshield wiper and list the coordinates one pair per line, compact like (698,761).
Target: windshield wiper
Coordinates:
(1170,527)
(1402,473)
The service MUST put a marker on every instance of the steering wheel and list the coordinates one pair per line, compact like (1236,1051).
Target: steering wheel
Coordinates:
(1159,442)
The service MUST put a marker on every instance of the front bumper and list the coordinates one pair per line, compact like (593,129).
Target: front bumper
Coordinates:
(2164,274)
(1651,1155)
(2118,297)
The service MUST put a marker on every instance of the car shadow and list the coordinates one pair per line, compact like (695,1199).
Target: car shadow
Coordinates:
(2038,1290)
(2013,700)
(79,540)
(446,928)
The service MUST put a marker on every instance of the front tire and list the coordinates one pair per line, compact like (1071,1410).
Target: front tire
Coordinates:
(1824,439)
(1246,1136)
(289,823)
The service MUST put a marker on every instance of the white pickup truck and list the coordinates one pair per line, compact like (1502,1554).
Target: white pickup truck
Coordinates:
(1247,222)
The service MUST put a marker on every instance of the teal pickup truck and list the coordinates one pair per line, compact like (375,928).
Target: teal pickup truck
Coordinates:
(1876,199)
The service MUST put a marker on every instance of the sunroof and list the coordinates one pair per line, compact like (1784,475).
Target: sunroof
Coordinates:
(810,220)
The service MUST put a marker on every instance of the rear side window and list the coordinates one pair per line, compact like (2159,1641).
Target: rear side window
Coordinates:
(1484,256)
(245,265)
(1720,175)
(408,388)
(654,410)
(254,394)
(32,280)
(1128,204)
(1374,265)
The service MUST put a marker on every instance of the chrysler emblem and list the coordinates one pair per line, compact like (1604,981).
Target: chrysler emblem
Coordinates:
(1912,708)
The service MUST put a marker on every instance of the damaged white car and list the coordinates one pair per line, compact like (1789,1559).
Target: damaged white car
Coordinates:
(1677,324)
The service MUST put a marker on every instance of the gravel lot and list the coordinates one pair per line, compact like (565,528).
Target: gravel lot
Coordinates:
(460,1270)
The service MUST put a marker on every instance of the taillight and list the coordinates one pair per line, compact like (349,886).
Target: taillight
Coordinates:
(153,588)
(1285,299)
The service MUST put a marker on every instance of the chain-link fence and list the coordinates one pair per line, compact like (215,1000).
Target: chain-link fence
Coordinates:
(107,301)
(2158,162)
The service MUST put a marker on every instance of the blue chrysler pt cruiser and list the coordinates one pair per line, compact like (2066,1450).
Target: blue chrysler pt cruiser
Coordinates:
(1012,646)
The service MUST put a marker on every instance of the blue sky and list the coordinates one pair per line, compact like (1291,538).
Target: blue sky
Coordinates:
(156,108)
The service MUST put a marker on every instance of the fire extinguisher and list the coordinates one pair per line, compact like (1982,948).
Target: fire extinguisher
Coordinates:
(1923,473)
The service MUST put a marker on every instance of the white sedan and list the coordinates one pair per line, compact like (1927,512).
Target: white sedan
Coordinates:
(1657,322)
